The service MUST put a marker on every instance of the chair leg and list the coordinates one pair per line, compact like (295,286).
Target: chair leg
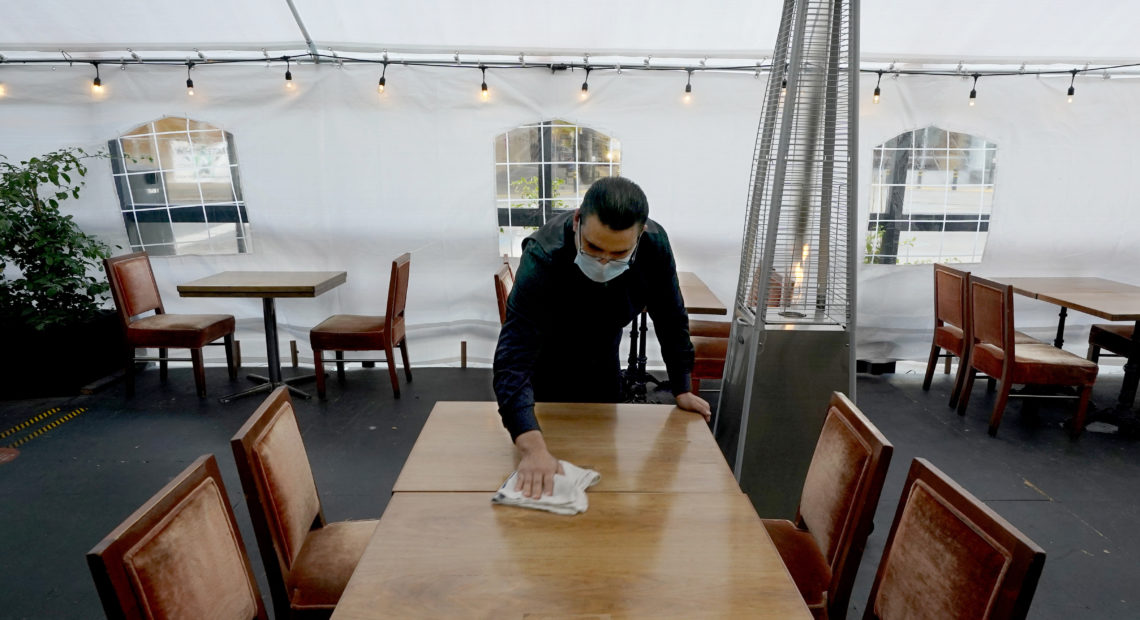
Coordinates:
(340,366)
(130,370)
(964,396)
(946,366)
(991,384)
(930,364)
(1078,423)
(162,353)
(199,372)
(389,354)
(230,357)
(1094,353)
(404,354)
(959,382)
(319,369)
(999,407)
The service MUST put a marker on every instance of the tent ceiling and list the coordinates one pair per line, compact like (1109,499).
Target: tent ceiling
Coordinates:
(1095,31)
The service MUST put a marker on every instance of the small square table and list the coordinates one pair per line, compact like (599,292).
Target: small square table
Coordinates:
(268,285)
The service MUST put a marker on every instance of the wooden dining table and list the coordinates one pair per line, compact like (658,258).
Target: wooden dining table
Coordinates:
(668,534)
(267,285)
(1099,297)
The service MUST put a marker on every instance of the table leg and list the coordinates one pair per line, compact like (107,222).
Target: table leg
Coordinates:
(632,370)
(269,309)
(273,357)
(1060,339)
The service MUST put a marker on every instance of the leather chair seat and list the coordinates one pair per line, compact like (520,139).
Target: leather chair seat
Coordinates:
(708,358)
(189,331)
(1115,337)
(950,338)
(325,563)
(1037,364)
(352,332)
(808,568)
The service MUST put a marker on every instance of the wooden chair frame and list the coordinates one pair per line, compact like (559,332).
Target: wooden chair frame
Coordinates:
(120,601)
(1025,559)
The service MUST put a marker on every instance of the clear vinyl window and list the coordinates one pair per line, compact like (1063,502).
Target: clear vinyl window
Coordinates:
(932,194)
(179,188)
(544,169)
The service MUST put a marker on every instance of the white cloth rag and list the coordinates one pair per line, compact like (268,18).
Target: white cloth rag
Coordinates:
(569,497)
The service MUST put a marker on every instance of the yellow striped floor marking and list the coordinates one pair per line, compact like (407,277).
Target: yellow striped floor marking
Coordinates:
(26,423)
(43,429)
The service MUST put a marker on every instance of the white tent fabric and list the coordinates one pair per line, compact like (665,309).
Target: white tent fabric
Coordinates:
(337,177)
(1089,31)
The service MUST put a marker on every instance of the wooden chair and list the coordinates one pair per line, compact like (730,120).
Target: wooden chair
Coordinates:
(952,325)
(994,351)
(1113,337)
(949,556)
(135,291)
(710,347)
(179,556)
(307,561)
(504,282)
(824,544)
(351,332)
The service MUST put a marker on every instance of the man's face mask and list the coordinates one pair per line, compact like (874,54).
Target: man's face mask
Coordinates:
(600,269)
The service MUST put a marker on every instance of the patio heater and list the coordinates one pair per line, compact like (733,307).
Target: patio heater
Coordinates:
(793,315)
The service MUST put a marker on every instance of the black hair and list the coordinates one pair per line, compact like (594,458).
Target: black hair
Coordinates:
(618,202)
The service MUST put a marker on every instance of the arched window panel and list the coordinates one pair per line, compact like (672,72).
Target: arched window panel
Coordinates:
(544,169)
(932,194)
(179,188)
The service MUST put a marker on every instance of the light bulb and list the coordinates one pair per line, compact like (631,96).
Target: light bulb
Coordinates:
(288,79)
(380,86)
(585,90)
(973,97)
(97,86)
(485,93)
(875,98)
(190,87)
(3,89)
(1072,91)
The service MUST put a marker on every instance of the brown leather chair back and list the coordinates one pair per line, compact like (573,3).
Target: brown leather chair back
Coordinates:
(397,298)
(841,492)
(949,556)
(279,488)
(504,282)
(991,312)
(178,556)
(132,285)
(950,296)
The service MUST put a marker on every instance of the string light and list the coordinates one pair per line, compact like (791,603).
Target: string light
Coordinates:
(689,86)
(974,90)
(97,83)
(1072,91)
(189,82)
(288,74)
(875,98)
(483,87)
(383,72)
(3,89)
(586,84)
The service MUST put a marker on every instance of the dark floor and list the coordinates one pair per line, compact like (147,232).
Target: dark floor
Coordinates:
(71,485)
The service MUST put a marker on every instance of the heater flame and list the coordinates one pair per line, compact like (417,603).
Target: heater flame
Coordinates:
(798,276)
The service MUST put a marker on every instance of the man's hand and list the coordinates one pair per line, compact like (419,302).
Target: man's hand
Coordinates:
(537,466)
(691,402)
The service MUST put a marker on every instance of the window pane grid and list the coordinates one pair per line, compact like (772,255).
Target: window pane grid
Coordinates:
(178,186)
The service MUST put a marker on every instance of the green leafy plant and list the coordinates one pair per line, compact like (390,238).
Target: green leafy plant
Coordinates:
(47,263)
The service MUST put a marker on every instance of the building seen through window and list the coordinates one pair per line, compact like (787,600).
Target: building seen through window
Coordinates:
(179,188)
(544,169)
(932,193)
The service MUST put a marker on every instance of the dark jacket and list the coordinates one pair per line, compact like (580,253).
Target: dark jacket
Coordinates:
(561,337)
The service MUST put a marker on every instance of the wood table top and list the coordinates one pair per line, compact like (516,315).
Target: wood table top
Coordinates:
(1106,299)
(264,284)
(646,448)
(698,298)
(631,555)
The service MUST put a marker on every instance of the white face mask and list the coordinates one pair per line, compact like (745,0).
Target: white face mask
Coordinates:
(597,271)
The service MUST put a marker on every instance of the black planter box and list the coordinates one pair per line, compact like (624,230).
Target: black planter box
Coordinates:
(59,360)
